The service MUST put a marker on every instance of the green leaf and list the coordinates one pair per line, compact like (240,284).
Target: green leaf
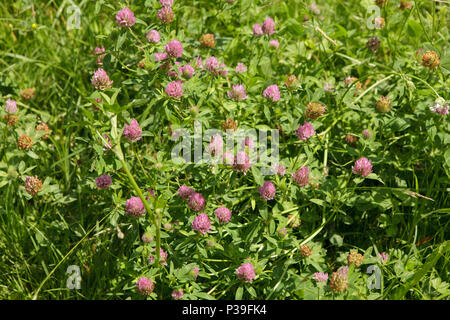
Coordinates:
(414,29)
(239,293)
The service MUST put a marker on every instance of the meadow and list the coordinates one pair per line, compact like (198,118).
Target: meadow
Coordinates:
(224,149)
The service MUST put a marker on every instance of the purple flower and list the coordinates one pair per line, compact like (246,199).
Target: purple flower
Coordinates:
(257,30)
(268,26)
(174,49)
(160,56)
(228,158)
(301,176)
(194,272)
(174,89)
(240,68)
(314,8)
(366,134)
(196,202)
(223,214)
(238,93)
(320,277)
(186,71)
(242,162)
(100,80)
(267,190)
(363,166)
(272,93)
(305,131)
(212,65)
(145,286)
(162,257)
(165,14)
(166,3)
(103,181)
(135,207)
(197,61)
(223,72)
(383,257)
(440,107)
(177,294)
(151,193)
(249,143)
(279,169)
(125,18)
(153,36)
(215,147)
(201,223)
(132,131)
(11,106)
(246,272)
(274,43)
(185,192)
(98,52)
(343,271)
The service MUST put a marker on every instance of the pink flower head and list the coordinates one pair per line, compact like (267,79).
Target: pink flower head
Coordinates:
(165,14)
(246,272)
(238,93)
(363,166)
(196,202)
(366,134)
(162,257)
(268,26)
(272,93)
(135,207)
(201,223)
(383,257)
(440,107)
(108,145)
(153,36)
(301,176)
(212,65)
(282,232)
(215,147)
(242,162)
(186,71)
(240,68)
(174,89)
(151,194)
(174,49)
(177,294)
(267,190)
(223,214)
(145,286)
(279,169)
(98,52)
(11,106)
(274,43)
(228,158)
(185,192)
(125,18)
(146,237)
(305,131)
(132,131)
(194,272)
(249,143)
(100,80)
(166,3)
(160,56)
(223,71)
(103,181)
(343,271)
(320,277)
(197,61)
(257,30)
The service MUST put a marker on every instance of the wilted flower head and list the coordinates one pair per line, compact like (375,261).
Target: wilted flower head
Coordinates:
(153,36)
(305,250)
(349,80)
(440,107)
(132,131)
(301,176)
(257,30)
(339,281)
(174,49)
(11,106)
(43,127)
(373,44)
(320,277)
(223,214)
(125,18)
(383,105)
(201,223)
(134,207)
(356,258)
(351,139)
(27,93)
(363,166)
(242,162)
(430,59)
(103,181)
(379,22)
(305,131)
(314,110)
(240,68)
(11,119)
(215,147)
(291,81)
(267,190)
(238,93)
(100,80)
(380,3)
(246,272)
(174,89)
(196,202)
(162,257)
(405,5)
(177,294)
(25,142)
(274,43)
(229,124)
(268,26)
(272,93)
(33,185)
(165,14)
(208,41)
(185,192)
(145,286)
